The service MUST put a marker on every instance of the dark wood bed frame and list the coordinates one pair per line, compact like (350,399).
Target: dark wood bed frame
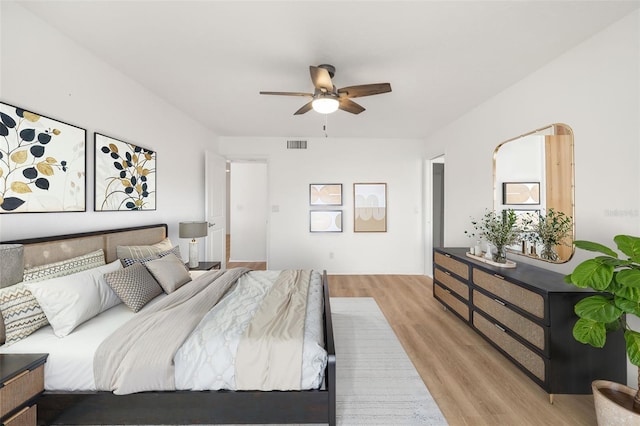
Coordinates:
(194,407)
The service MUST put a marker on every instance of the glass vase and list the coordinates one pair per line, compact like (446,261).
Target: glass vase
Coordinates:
(500,255)
(549,252)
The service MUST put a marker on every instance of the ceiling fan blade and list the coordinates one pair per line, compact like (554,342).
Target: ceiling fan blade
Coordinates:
(348,105)
(288,94)
(321,78)
(305,108)
(364,90)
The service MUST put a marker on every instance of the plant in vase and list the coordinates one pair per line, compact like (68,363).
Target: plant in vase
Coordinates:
(500,230)
(549,231)
(618,281)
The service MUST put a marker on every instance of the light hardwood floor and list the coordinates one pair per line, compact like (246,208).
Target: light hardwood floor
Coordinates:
(471,381)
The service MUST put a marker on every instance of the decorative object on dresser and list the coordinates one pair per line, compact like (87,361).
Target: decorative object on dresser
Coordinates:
(193,230)
(618,281)
(548,231)
(500,230)
(125,175)
(21,383)
(527,315)
(43,167)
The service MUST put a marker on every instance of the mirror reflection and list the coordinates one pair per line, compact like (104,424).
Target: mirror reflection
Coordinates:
(533,174)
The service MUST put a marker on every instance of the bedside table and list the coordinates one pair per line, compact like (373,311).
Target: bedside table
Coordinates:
(21,383)
(205,266)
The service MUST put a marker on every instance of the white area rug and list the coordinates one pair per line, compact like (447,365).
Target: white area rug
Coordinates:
(376,382)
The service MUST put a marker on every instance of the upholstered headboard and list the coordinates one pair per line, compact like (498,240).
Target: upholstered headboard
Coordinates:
(40,251)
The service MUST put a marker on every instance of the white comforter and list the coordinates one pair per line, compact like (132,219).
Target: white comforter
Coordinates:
(70,363)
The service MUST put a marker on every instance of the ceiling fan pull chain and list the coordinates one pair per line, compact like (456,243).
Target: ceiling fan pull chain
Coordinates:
(324,127)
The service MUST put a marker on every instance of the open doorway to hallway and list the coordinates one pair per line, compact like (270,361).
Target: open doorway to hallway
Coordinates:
(247,214)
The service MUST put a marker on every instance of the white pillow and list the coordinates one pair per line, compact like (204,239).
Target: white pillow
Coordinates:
(73,299)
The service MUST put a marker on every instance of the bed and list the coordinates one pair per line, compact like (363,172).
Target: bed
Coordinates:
(314,403)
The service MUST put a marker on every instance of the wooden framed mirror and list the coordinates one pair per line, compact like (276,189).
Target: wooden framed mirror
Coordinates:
(533,173)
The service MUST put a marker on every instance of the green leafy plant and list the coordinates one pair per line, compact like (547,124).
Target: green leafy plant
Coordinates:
(548,230)
(618,281)
(499,229)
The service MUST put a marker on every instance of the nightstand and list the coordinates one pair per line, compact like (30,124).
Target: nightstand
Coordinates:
(21,383)
(205,266)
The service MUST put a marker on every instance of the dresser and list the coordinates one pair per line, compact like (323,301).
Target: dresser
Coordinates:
(526,313)
(21,383)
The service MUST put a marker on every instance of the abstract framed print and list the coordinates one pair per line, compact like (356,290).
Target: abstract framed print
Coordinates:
(370,207)
(325,194)
(42,163)
(524,193)
(325,221)
(125,176)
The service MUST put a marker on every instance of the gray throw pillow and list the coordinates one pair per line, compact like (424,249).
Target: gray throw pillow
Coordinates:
(134,286)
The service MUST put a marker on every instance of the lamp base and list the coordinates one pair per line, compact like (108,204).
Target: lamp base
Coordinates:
(193,254)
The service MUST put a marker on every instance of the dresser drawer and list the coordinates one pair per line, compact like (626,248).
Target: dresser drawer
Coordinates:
(523,355)
(451,301)
(524,327)
(518,296)
(21,388)
(457,267)
(28,416)
(462,289)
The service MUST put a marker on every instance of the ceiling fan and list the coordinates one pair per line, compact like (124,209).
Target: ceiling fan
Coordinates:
(326,98)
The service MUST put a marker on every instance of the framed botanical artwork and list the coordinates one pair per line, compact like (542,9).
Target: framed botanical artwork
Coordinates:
(370,207)
(523,193)
(42,163)
(125,176)
(325,194)
(325,221)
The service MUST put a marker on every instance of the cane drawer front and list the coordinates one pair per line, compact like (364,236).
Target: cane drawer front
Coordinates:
(530,360)
(530,331)
(451,301)
(20,388)
(28,416)
(526,300)
(455,266)
(444,277)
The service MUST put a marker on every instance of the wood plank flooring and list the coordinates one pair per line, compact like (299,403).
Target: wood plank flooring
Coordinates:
(472,383)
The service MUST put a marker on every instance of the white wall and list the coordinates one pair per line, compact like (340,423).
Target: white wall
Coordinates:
(595,89)
(345,161)
(248,212)
(44,71)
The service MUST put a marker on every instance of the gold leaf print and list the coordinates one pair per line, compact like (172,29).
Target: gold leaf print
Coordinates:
(20,187)
(56,131)
(50,160)
(148,156)
(126,182)
(19,157)
(124,164)
(113,148)
(1,200)
(1,173)
(139,188)
(138,203)
(135,158)
(44,168)
(31,116)
(144,172)
(139,170)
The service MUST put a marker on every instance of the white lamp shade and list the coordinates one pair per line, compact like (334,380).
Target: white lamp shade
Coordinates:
(325,105)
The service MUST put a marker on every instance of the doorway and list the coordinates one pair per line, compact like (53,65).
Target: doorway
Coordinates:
(434,209)
(247,214)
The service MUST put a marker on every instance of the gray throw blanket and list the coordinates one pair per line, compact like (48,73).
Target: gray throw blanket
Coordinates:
(138,356)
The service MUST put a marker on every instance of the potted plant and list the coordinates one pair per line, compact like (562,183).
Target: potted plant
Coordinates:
(548,230)
(618,282)
(500,230)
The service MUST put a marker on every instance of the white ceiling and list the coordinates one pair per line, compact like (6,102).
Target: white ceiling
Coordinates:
(211,58)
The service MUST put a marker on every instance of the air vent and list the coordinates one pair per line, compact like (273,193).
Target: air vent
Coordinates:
(297,144)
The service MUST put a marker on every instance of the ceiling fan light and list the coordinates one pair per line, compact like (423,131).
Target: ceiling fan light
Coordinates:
(325,105)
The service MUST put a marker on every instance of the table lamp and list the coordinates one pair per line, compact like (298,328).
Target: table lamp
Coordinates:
(193,230)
